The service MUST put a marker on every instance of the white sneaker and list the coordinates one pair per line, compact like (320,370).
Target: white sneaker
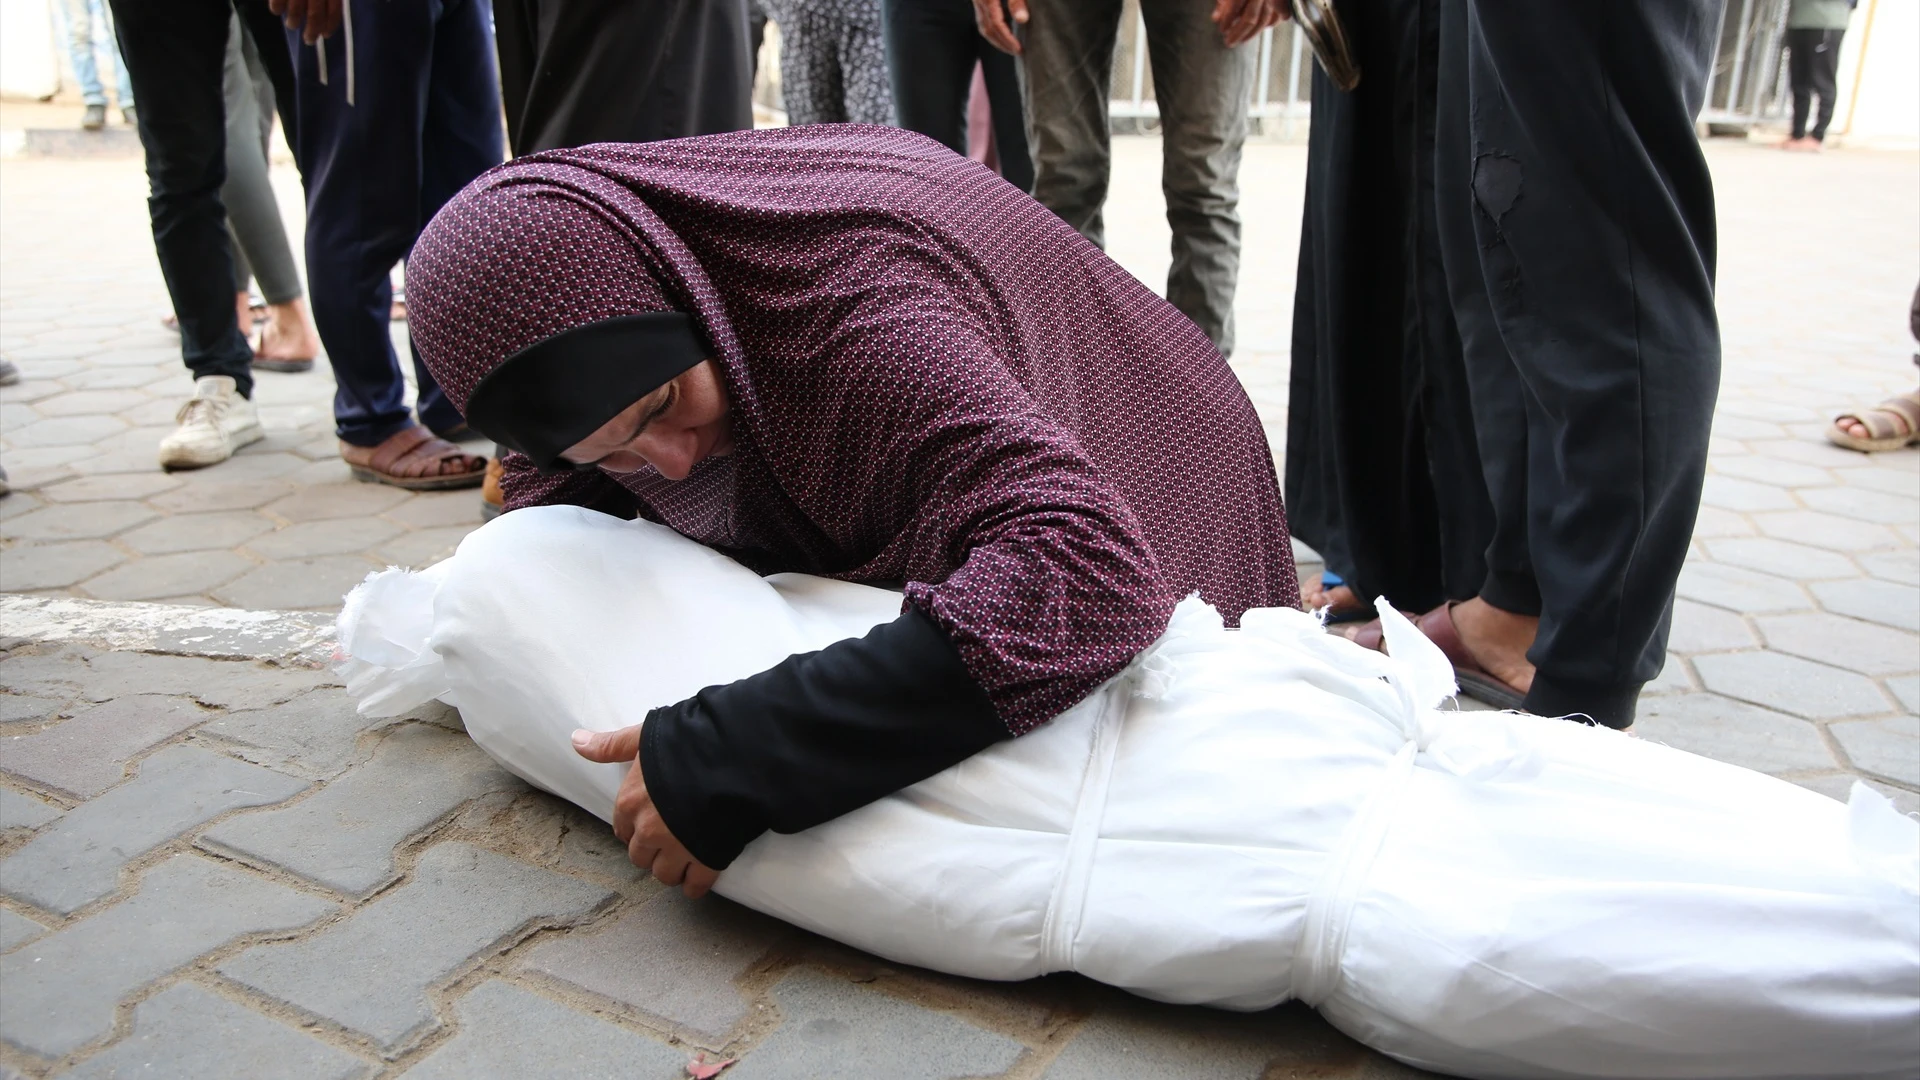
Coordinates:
(213,425)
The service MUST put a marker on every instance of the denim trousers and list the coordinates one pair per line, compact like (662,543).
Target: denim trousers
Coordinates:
(84,17)
(1202,88)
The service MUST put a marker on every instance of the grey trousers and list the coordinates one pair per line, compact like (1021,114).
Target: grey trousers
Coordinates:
(260,248)
(1202,88)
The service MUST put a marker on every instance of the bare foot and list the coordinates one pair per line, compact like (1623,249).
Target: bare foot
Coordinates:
(1314,595)
(1498,640)
(243,313)
(288,333)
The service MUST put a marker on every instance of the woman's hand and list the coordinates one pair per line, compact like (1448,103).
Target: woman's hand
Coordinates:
(650,844)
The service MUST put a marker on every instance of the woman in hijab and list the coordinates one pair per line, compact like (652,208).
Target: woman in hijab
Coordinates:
(850,352)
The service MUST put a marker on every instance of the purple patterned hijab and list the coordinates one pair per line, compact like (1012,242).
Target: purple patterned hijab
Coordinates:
(934,382)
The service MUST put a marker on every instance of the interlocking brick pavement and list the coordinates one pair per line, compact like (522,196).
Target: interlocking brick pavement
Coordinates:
(299,891)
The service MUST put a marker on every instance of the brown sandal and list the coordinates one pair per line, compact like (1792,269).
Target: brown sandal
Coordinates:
(1890,425)
(1475,681)
(413,459)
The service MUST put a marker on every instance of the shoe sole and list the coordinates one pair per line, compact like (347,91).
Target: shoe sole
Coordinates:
(245,437)
(290,366)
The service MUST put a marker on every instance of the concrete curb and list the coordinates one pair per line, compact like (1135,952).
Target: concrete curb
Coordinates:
(293,637)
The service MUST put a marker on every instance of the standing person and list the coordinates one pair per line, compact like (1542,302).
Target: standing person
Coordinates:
(1576,229)
(833,63)
(1203,71)
(288,341)
(395,116)
(90,27)
(175,56)
(1814,29)
(933,47)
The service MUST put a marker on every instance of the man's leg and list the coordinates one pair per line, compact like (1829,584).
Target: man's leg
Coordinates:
(460,139)
(1593,245)
(86,69)
(1800,43)
(175,56)
(1067,69)
(1002,76)
(361,161)
(1203,89)
(1826,66)
(122,84)
(930,65)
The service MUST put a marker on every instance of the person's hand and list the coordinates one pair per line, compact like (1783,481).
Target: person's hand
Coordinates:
(314,19)
(992,16)
(1240,21)
(650,844)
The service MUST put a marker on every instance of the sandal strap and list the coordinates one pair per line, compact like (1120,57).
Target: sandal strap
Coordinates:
(1907,406)
(397,448)
(1892,418)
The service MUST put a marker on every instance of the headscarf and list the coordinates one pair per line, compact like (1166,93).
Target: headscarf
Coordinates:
(934,384)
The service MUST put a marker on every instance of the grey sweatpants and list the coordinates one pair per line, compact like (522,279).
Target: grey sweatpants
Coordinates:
(1202,88)
(260,248)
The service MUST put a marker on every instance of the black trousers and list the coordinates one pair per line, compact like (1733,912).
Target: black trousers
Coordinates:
(932,46)
(175,52)
(1813,59)
(583,71)
(1576,227)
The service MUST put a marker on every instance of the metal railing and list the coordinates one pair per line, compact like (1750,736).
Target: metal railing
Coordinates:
(1749,84)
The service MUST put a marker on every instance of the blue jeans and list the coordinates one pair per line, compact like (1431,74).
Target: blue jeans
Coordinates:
(81,42)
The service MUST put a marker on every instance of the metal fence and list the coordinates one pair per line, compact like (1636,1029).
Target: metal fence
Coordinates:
(1749,84)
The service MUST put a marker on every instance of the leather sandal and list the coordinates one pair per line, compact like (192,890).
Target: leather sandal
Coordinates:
(1890,425)
(1475,681)
(413,459)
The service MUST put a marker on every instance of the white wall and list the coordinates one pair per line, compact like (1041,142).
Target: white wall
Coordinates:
(29,60)
(1880,76)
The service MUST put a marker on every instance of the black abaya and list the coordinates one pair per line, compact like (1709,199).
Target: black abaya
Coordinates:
(1383,478)
(575,72)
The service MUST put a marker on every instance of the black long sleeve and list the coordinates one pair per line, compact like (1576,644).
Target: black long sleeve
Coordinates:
(814,737)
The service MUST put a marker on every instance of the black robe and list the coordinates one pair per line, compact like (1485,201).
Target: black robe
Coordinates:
(1382,477)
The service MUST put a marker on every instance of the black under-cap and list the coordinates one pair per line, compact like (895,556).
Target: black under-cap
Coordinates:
(557,391)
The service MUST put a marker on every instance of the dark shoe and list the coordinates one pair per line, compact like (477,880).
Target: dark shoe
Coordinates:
(264,363)
(132,118)
(9,372)
(94,118)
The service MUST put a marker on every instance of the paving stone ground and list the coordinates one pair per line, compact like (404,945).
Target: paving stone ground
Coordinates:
(212,867)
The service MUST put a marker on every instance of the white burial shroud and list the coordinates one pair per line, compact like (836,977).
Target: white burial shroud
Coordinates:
(1239,818)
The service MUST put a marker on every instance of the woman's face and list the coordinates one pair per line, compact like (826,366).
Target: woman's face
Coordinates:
(672,429)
